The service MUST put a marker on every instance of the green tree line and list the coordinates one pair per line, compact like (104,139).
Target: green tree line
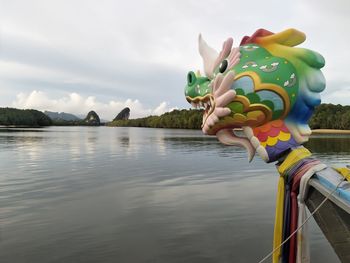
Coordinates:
(181,119)
(326,116)
(32,118)
(330,116)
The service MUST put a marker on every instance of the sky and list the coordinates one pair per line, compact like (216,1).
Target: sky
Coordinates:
(81,55)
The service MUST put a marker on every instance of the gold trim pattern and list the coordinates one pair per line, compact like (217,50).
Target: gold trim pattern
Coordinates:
(258,86)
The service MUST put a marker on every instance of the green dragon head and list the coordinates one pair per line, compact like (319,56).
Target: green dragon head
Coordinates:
(265,86)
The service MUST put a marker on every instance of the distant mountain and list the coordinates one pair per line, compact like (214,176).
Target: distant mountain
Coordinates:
(82,116)
(92,119)
(61,116)
(123,115)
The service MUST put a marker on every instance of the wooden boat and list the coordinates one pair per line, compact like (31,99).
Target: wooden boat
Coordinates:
(334,215)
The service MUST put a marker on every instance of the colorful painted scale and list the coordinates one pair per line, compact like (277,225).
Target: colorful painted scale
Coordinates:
(275,138)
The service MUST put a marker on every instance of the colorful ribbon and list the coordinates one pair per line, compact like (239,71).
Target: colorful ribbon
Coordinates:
(297,165)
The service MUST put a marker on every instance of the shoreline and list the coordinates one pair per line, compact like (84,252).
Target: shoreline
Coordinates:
(330,131)
(315,131)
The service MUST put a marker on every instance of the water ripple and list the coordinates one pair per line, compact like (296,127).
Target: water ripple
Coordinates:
(98,194)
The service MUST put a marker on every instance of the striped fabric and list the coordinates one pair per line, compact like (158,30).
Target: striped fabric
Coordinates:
(290,206)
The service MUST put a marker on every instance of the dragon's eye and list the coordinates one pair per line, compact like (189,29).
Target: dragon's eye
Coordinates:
(223,66)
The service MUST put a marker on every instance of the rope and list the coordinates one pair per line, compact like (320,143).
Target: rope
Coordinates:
(305,221)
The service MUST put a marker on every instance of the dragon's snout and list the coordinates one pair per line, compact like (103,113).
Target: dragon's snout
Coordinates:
(196,86)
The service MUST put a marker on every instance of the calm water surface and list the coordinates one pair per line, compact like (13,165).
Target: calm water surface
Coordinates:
(98,194)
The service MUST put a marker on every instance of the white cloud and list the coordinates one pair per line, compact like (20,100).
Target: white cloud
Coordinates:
(110,47)
(163,107)
(80,105)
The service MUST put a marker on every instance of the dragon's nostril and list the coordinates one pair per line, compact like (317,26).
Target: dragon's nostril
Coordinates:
(191,78)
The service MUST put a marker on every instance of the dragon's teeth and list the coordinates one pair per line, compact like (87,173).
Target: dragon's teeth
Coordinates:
(248,131)
(255,142)
(202,103)
(262,153)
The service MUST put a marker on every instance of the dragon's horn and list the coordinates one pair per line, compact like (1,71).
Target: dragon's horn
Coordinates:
(209,56)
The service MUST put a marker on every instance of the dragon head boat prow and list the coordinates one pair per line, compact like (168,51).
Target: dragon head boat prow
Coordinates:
(267,87)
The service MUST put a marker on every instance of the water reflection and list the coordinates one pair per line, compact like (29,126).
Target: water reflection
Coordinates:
(20,140)
(82,194)
(75,150)
(8,130)
(124,141)
(90,144)
(329,144)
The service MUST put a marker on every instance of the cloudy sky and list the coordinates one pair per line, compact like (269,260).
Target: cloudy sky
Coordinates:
(74,56)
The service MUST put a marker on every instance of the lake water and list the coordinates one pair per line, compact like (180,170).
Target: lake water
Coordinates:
(99,194)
